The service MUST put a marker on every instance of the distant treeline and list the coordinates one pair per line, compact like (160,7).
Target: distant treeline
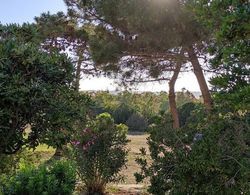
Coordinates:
(138,110)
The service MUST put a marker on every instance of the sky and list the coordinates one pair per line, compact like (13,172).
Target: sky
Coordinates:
(20,11)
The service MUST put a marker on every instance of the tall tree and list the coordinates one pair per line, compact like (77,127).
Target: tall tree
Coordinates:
(60,32)
(171,97)
(228,22)
(143,38)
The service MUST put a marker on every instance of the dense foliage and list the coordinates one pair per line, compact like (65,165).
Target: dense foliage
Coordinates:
(208,156)
(35,90)
(100,152)
(194,149)
(228,23)
(57,178)
(137,122)
(137,110)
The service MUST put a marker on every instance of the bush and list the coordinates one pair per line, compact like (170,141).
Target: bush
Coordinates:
(10,163)
(100,153)
(39,92)
(54,179)
(136,122)
(122,113)
(208,157)
(185,111)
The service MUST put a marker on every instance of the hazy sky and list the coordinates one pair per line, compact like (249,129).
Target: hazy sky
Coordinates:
(19,11)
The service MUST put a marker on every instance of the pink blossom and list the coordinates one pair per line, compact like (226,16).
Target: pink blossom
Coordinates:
(84,148)
(87,130)
(75,143)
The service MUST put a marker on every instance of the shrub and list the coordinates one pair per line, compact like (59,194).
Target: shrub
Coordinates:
(208,157)
(39,92)
(122,113)
(10,163)
(185,111)
(57,178)
(136,122)
(100,153)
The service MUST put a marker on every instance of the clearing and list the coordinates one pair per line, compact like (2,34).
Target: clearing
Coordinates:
(137,141)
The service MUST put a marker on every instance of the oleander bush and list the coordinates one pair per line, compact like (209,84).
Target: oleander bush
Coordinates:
(100,153)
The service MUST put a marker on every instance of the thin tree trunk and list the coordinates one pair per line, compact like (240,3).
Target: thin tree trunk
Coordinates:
(200,78)
(171,97)
(78,73)
(58,154)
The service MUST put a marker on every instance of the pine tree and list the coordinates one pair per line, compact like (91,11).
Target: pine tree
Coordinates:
(143,40)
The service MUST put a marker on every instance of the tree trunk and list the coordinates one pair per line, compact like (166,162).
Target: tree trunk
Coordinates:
(171,97)
(58,154)
(78,75)
(200,78)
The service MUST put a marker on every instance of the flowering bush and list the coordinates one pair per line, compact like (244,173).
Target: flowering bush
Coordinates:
(100,153)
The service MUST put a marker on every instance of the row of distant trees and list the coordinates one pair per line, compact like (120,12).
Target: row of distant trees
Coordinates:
(138,110)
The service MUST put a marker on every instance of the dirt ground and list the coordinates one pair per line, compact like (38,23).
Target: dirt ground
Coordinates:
(130,187)
(137,141)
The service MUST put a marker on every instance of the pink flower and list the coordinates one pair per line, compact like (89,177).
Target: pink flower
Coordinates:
(84,148)
(87,130)
(75,143)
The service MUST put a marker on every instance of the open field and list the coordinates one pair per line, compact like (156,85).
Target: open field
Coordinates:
(137,141)
(42,153)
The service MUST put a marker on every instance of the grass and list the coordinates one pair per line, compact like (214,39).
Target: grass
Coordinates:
(129,186)
(137,141)
(44,148)
(41,154)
